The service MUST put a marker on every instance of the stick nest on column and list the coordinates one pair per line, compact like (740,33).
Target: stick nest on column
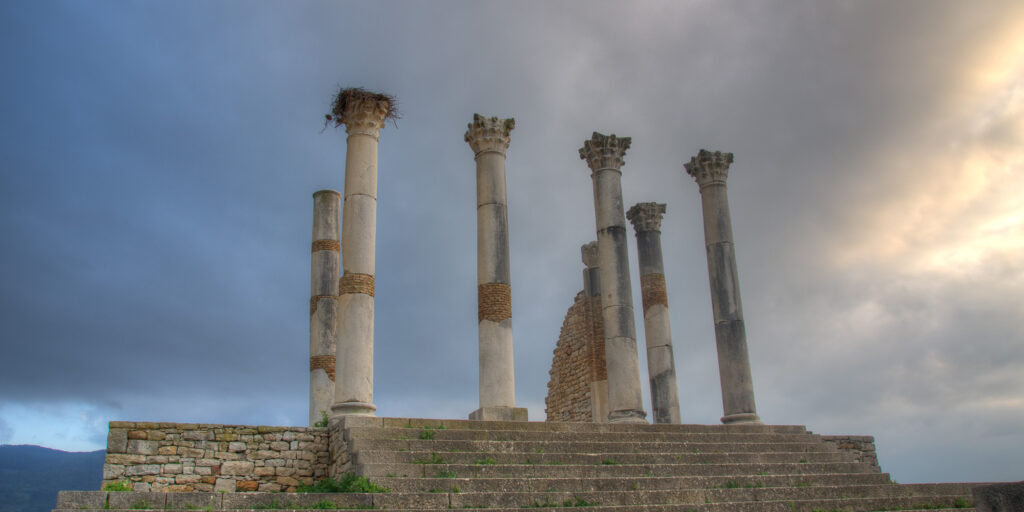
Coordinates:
(354,94)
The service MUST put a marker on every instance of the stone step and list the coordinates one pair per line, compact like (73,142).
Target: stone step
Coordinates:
(645,501)
(592,471)
(542,426)
(420,445)
(627,483)
(575,458)
(613,436)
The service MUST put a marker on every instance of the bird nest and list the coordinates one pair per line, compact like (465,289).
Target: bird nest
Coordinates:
(346,96)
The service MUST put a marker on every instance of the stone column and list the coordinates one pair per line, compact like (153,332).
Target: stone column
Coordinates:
(323,302)
(711,169)
(364,115)
(489,139)
(604,155)
(661,366)
(592,291)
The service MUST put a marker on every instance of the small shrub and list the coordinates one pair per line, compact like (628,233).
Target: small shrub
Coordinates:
(349,483)
(323,505)
(427,433)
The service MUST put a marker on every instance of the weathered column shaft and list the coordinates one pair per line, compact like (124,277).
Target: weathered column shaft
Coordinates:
(323,302)
(604,155)
(489,139)
(661,366)
(710,170)
(364,115)
(598,363)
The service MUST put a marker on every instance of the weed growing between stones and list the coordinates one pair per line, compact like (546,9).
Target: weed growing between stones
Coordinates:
(609,462)
(488,460)
(119,486)
(576,501)
(323,420)
(141,505)
(447,474)
(273,505)
(323,505)
(427,433)
(349,483)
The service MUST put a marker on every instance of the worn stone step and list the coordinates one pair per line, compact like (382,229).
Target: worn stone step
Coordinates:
(391,457)
(857,498)
(563,426)
(613,436)
(591,471)
(419,445)
(627,483)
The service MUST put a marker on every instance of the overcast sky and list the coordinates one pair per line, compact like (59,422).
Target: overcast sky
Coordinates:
(157,161)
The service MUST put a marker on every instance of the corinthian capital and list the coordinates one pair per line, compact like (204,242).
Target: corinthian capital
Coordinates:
(604,151)
(646,216)
(709,167)
(489,134)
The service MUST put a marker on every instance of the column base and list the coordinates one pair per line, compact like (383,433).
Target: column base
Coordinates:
(742,417)
(500,414)
(638,417)
(353,408)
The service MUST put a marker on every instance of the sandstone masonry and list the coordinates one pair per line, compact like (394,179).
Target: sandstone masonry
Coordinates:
(191,457)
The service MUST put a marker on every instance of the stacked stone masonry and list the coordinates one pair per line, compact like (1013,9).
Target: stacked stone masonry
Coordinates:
(579,361)
(495,301)
(184,457)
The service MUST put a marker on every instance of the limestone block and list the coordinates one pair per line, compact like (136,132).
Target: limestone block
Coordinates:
(142,469)
(112,471)
(81,500)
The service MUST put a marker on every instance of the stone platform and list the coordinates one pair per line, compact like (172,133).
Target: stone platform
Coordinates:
(444,464)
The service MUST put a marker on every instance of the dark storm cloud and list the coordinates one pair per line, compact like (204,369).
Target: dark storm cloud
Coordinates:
(158,163)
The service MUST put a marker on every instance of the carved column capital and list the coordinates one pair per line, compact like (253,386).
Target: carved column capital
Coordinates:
(604,151)
(709,167)
(365,115)
(646,216)
(590,254)
(489,134)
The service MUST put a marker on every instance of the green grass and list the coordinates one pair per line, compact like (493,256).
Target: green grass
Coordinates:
(349,483)
(609,462)
(323,505)
(141,505)
(427,433)
(488,460)
(120,486)
(447,474)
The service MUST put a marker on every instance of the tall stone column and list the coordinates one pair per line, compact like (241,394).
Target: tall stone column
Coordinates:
(489,139)
(604,155)
(363,117)
(598,365)
(661,365)
(323,302)
(711,169)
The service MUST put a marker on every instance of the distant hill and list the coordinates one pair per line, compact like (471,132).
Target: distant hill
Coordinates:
(30,476)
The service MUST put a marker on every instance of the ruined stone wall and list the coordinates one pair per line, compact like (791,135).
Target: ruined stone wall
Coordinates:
(862,447)
(185,457)
(578,363)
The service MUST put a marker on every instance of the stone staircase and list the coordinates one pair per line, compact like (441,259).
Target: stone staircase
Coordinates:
(455,464)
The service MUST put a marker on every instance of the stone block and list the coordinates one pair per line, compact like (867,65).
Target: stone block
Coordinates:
(142,447)
(194,501)
(500,414)
(117,440)
(81,500)
(224,485)
(1006,497)
(236,446)
(137,500)
(142,469)
(112,471)
(247,486)
(240,468)
(172,469)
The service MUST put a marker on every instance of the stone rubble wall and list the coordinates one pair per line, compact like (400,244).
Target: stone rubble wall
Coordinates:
(863,447)
(186,457)
(578,361)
